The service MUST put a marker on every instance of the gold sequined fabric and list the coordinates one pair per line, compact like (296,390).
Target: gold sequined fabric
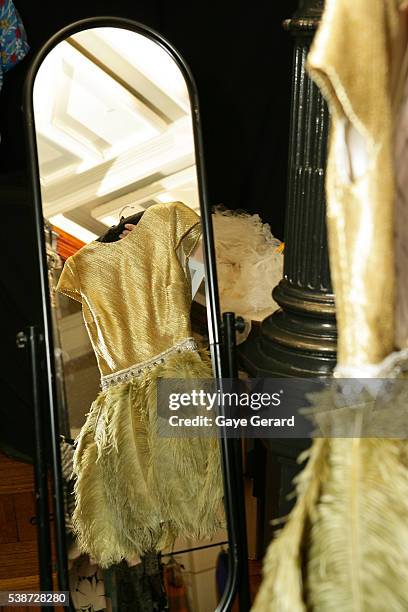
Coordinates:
(135,294)
(356,59)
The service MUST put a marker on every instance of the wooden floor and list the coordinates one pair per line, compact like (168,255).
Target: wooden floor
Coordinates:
(18,530)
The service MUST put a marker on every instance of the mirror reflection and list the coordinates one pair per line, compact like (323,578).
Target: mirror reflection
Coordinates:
(144,515)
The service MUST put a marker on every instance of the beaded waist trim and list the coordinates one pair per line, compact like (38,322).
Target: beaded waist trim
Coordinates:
(189,344)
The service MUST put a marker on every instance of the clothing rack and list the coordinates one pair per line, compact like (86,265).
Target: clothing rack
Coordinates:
(179,552)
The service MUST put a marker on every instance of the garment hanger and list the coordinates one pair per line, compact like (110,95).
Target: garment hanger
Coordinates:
(113,233)
(121,217)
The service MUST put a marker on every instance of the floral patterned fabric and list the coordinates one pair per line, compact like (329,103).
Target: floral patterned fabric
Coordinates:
(13,40)
(87,586)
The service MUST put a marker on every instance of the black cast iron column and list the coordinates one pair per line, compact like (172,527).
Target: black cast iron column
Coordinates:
(300,338)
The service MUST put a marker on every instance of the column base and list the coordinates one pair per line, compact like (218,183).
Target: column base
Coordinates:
(299,340)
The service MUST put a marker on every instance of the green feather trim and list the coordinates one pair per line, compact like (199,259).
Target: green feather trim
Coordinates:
(136,491)
(345,544)
(282,586)
(358,556)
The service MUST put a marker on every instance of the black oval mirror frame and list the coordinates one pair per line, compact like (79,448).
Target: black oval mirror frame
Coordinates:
(42,339)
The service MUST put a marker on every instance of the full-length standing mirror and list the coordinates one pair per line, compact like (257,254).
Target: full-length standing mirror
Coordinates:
(129,297)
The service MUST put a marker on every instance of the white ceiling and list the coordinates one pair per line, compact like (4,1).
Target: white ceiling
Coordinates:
(113,125)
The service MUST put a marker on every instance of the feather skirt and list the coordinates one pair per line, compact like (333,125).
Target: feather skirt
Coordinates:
(345,544)
(136,491)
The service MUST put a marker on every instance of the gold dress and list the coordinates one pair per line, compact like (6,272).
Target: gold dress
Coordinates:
(136,491)
(344,546)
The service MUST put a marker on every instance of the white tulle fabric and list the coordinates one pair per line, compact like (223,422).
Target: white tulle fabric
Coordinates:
(249,265)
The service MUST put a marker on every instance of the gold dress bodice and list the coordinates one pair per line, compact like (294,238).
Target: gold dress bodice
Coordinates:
(357,60)
(135,292)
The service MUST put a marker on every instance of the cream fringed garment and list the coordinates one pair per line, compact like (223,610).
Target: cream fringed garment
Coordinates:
(136,491)
(345,544)
(249,263)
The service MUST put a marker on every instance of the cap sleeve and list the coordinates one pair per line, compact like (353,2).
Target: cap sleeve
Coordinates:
(187,229)
(69,282)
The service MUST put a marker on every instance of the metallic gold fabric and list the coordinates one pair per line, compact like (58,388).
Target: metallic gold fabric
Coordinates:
(344,545)
(356,61)
(144,267)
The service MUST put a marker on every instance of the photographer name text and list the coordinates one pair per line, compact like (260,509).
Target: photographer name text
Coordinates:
(231,423)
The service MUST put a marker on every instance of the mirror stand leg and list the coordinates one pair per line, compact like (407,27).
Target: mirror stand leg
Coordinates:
(40,466)
(235,459)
